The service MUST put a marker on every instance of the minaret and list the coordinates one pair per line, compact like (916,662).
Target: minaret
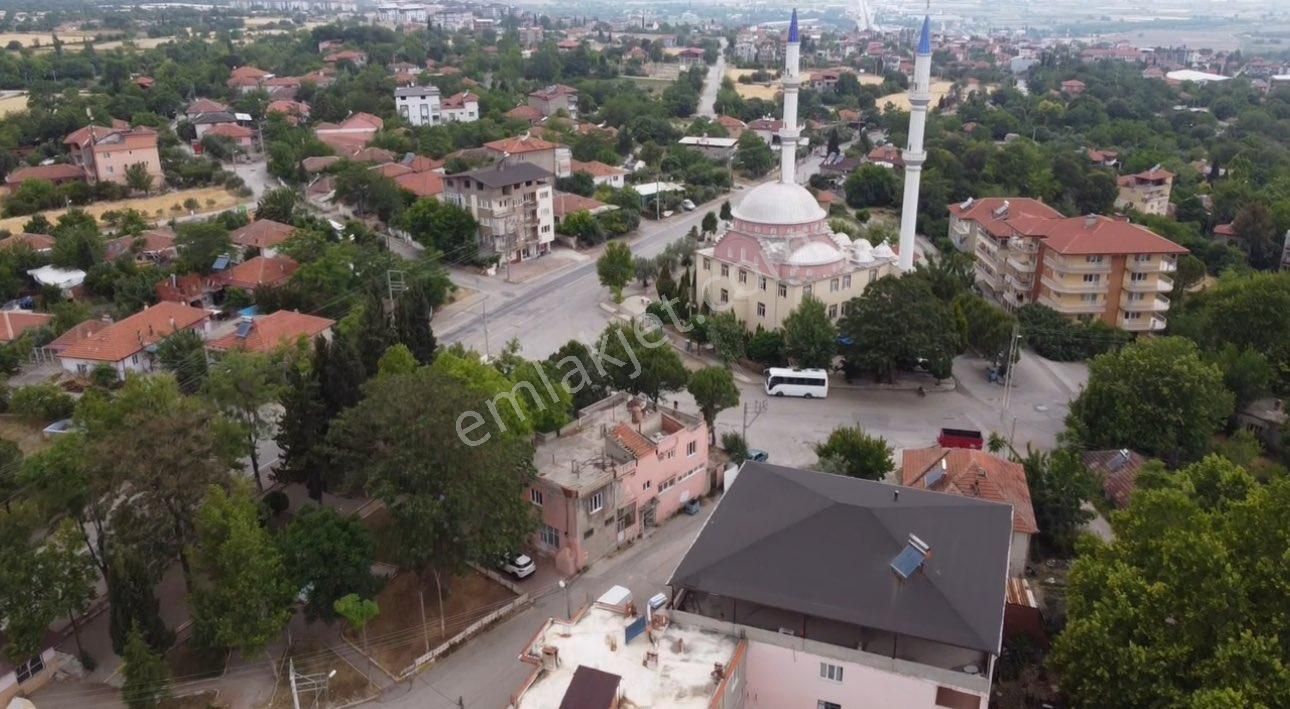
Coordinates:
(919,97)
(792,80)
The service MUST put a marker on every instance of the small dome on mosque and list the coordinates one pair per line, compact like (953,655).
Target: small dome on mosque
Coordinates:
(816,253)
(883,251)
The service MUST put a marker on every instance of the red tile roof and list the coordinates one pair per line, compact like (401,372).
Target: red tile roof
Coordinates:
(185,289)
(318,164)
(1118,471)
(554,91)
(260,271)
(232,131)
(76,334)
(459,100)
(149,242)
(989,213)
(35,242)
(421,163)
(274,330)
(887,153)
(392,169)
(1225,230)
(60,172)
(525,113)
(520,144)
(632,440)
(565,203)
(1101,235)
(595,168)
(421,184)
(376,156)
(205,105)
(133,334)
(972,473)
(262,234)
(13,323)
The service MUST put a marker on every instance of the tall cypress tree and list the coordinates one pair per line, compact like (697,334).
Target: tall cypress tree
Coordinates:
(343,375)
(303,424)
(133,604)
(374,334)
(412,324)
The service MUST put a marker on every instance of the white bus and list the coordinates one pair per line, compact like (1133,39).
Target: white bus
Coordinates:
(810,383)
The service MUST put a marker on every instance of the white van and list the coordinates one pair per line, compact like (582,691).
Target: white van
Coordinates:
(808,383)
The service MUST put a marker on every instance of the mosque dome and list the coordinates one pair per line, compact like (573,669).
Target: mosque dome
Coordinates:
(779,204)
(862,244)
(815,253)
(883,251)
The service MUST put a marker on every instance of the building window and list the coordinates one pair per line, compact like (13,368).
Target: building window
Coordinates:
(1089,297)
(1097,258)
(647,485)
(833,673)
(761,282)
(1132,316)
(1092,277)
(707,264)
(550,536)
(134,359)
(821,704)
(725,270)
(806,290)
(833,311)
(873,275)
(783,291)
(30,669)
(667,484)
(1142,258)
(1137,277)
(725,296)
(535,496)
(691,448)
(833,285)
(743,276)
(846,282)
(596,502)
(761,310)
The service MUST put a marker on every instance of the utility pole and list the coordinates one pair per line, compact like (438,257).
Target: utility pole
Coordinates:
(757,409)
(311,684)
(1014,346)
(488,354)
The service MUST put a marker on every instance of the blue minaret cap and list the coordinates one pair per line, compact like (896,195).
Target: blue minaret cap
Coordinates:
(792,27)
(925,39)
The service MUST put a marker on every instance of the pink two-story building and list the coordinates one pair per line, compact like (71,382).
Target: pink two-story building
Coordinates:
(624,466)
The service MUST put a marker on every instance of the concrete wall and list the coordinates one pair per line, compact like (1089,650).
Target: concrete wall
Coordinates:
(111,165)
(1019,553)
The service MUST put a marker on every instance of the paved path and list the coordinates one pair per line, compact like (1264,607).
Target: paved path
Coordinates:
(711,85)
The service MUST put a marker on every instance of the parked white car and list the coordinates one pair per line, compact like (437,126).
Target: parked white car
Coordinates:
(518,565)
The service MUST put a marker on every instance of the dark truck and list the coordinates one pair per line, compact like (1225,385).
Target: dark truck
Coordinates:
(960,438)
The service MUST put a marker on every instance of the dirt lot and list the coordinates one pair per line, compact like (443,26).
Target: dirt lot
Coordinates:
(185,661)
(137,43)
(28,436)
(40,39)
(12,102)
(156,207)
(901,100)
(469,598)
(348,686)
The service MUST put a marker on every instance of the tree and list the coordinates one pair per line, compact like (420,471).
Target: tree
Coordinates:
(752,155)
(735,446)
(710,223)
(412,312)
(138,178)
(452,475)
(10,461)
(243,385)
(26,610)
(69,577)
(664,285)
(726,214)
(646,268)
(447,227)
(358,611)
(200,244)
(341,373)
(397,359)
(810,339)
(766,347)
(278,205)
(244,598)
(1156,396)
(549,407)
(714,390)
(77,247)
(640,364)
(147,678)
(850,451)
(897,324)
(577,371)
(1059,485)
(615,268)
(983,327)
(133,604)
(1246,373)
(871,186)
(1184,607)
(301,427)
(184,355)
(330,555)
(726,334)
(1255,229)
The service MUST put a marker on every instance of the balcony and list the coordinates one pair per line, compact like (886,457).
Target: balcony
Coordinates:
(1024,246)
(1167,265)
(1021,264)
(1149,324)
(1078,265)
(1073,307)
(1158,304)
(988,244)
(1020,282)
(1063,286)
(1159,284)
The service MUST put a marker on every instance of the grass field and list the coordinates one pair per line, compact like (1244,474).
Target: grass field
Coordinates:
(157,207)
(137,43)
(347,686)
(901,100)
(28,436)
(41,39)
(12,102)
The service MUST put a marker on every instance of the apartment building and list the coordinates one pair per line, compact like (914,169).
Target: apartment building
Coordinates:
(907,612)
(512,203)
(106,153)
(555,98)
(1083,267)
(419,105)
(625,466)
(1146,192)
(460,107)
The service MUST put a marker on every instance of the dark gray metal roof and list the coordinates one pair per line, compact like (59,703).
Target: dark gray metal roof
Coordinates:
(417,91)
(213,117)
(823,545)
(591,688)
(505,174)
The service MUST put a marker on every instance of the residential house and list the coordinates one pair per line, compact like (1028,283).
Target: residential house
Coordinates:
(555,98)
(317,164)
(601,174)
(1117,471)
(1073,87)
(1083,267)
(713,148)
(1266,419)
(190,289)
(566,203)
(22,679)
(848,592)
(106,153)
(526,113)
(38,243)
(79,332)
(734,127)
(258,272)
(767,129)
(204,122)
(269,333)
(294,111)
(262,235)
(888,156)
(627,466)
(240,136)
(552,157)
(351,134)
(351,56)
(373,156)
(204,105)
(1103,158)
(690,57)
(1226,232)
(16,323)
(129,345)
(152,246)
(461,107)
(1147,192)
(246,79)
(426,184)
(512,203)
(419,105)
(974,473)
(56,174)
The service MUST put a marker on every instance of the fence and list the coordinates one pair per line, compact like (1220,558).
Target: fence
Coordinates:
(463,636)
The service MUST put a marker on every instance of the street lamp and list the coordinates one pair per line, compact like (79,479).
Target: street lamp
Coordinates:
(568,609)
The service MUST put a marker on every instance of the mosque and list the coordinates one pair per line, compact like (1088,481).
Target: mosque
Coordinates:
(779,247)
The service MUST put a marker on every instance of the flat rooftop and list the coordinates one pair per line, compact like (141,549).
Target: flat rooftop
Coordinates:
(680,679)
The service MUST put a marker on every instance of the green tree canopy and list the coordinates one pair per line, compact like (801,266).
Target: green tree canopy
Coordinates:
(147,677)
(850,451)
(752,155)
(714,390)
(810,338)
(895,324)
(615,268)
(871,186)
(330,555)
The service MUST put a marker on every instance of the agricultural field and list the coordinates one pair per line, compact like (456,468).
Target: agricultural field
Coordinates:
(159,207)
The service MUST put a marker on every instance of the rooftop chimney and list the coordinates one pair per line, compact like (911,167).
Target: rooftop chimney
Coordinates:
(1090,221)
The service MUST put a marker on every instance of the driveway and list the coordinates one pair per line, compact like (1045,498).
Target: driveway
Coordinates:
(255,175)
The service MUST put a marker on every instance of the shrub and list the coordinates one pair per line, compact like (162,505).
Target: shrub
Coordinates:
(42,403)
(277,502)
(735,446)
